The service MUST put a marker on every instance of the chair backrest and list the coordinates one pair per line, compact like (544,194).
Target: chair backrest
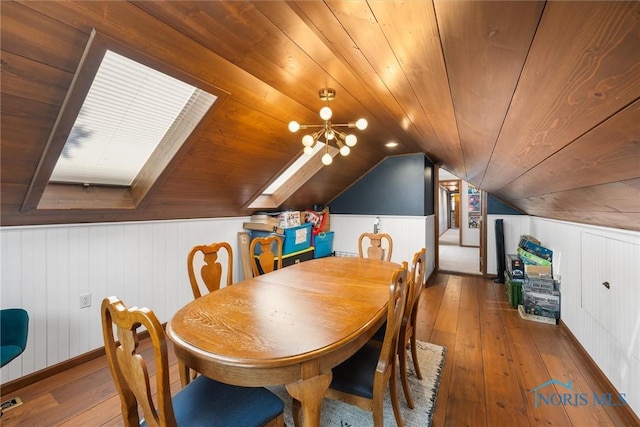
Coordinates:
(416,281)
(128,368)
(376,248)
(211,271)
(267,260)
(14,329)
(398,291)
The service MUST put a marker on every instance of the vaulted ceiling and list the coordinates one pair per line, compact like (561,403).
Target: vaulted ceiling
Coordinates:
(534,102)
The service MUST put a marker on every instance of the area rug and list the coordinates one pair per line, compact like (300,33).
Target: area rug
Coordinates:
(334,413)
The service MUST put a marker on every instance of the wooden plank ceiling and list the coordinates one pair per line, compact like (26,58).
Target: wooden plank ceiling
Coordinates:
(534,102)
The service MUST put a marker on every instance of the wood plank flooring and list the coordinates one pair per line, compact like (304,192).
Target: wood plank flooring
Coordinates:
(494,359)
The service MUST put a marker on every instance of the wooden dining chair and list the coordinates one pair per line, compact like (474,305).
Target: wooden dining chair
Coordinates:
(204,402)
(267,260)
(407,335)
(361,380)
(376,248)
(14,331)
(211,271)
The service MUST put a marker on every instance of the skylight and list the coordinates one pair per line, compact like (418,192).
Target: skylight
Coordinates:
(129,110)
(291,170)
(303,168)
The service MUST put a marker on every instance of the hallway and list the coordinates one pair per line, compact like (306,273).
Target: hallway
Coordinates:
(455,258)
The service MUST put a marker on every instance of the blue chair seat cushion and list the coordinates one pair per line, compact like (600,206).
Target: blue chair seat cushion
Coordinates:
(355,375)
(14,327)
(205,402)
(8,353)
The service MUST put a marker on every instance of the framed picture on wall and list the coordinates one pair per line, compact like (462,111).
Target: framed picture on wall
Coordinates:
(474,220)
(474,203)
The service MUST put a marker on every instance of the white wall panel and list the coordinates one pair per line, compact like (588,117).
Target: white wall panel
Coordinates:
(617,308)
(513,226)
(607,327)
(11,295)
(44,269)
(409,233)
(34,294)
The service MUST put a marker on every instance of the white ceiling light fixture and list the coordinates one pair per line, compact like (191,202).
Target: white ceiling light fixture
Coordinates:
(327,129)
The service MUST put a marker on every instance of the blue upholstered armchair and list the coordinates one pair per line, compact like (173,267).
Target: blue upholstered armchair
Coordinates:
(14,326)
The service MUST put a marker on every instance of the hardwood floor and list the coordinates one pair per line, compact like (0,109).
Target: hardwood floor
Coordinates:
(494,359)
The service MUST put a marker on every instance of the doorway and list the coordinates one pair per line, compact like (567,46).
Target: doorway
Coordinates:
(459,243)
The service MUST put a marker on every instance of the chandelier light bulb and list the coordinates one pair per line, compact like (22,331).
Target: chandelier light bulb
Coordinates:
(329,132)
(325,113)
(327,159)
(307,140)
(362,124)
(294,126)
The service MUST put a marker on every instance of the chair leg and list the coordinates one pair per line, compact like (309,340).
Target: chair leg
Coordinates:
(414,356)
(378,409)
(394,397)
(296,412)
(183,370)
(402,355)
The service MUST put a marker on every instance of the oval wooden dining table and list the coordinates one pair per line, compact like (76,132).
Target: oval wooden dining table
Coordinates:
(289,327)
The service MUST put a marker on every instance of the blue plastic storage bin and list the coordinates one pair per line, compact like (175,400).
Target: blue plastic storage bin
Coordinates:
(297,238)
(323,244)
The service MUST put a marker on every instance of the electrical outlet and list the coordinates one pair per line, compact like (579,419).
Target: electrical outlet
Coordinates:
(85,300)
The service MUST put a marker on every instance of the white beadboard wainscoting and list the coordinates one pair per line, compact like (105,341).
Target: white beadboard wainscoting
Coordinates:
(45,269)
(606,322)
(409,234)
(513,227)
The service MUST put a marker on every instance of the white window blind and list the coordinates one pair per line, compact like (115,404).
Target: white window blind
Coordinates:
(129,110)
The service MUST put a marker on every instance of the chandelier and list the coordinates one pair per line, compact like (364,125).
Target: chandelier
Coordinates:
(343,141)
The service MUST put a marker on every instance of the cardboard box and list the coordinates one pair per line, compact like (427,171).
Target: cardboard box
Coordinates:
(541,302)
(513,289)
(264,219)
(535,248)
(528,257)
(257,226)
(531,270)
(529,238)
(515,266)
(289,219)
(542,282)
(534,318)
